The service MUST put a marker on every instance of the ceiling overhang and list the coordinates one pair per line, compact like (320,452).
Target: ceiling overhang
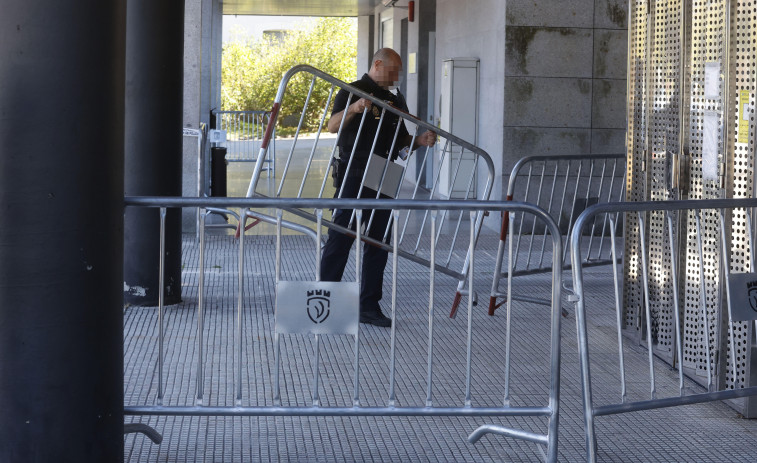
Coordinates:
(301,7)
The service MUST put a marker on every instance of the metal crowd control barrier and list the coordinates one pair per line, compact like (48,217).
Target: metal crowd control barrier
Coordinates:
(661,281)
(244,135)
(563,186)
(452,169)
(423,402)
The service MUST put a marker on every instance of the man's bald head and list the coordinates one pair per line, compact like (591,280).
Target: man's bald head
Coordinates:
(385,67)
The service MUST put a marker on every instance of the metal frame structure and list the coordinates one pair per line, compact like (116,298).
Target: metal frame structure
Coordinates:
(473,210)
(691,332)
(483,167)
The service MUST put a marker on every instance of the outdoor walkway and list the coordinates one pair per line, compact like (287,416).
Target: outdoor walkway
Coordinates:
(697,433)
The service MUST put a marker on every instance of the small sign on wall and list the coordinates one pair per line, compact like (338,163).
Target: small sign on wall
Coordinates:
(745,115)
(712,80)
(743,296)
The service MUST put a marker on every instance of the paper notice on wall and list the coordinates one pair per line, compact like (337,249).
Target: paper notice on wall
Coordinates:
(745,114)
(711,80)
(710,146)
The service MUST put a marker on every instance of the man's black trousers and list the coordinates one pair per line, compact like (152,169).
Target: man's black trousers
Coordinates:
(336,252)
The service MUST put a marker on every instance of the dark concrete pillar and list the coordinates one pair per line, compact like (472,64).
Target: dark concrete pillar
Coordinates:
(61,228)
(153,143)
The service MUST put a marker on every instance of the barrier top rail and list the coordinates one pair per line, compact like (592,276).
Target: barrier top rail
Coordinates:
(555,157)
(713,391)
(376,101)
(329,203)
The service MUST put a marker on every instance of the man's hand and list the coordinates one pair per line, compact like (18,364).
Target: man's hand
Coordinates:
(355,108)
(427,138)
(359,106)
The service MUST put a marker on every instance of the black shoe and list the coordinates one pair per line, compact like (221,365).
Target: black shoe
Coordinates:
(375,318)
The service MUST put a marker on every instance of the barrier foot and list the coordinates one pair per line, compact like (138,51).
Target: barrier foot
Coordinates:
(148,431)
(247,227)
(493,304)
(455,303)
(509,432)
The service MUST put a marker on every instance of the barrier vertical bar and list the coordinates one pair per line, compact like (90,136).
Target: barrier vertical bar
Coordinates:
(368,166)
(573,205)
(609,198)
(417,185)
(533,226)
(161,300)
(459,222)
(599,195)
(354,146)
(433,190)
(200,310)
(549,210)
(509,307)
(676,315)
(392,353)
(647,307)
(618,310)
(319,236)
(276,335)
(520,228)
(332,158)
(381,181)
(432,272)
(240,303)
(471,248)
(703,300)
(315,143)
(562,198)
(296,137)
(358,276)
(727,271)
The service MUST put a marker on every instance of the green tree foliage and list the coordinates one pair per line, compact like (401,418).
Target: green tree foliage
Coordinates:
(252,70)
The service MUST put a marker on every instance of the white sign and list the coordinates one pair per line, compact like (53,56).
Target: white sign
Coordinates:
(217,136)
(743,296)
(392,178)
(712,80)
(317,307)
(710,146)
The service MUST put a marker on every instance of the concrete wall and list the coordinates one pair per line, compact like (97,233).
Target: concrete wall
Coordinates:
(477,30)
(565,78)
(202,85)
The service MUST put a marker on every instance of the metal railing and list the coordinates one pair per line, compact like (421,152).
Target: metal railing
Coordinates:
(453,168)
(563,186)
(244,134)
(634,395)
(276,405)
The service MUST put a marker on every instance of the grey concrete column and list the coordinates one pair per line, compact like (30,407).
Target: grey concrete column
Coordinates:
(61,230)
(153,145)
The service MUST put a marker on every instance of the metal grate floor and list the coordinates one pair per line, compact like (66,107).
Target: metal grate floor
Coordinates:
(708,432)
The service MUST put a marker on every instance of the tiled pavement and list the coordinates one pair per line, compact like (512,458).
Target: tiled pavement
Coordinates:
(711,432)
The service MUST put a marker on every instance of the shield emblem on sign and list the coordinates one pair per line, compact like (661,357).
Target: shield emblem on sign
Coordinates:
(753,298)
(318,306)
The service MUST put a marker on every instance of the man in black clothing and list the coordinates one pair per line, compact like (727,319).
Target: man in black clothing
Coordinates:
(383,74)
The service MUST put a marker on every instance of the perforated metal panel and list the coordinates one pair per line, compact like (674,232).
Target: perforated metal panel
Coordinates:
(636,143)
(665,131)
(692,62)
(742,83)
(708,44)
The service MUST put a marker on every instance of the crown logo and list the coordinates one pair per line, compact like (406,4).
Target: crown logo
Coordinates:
(318,305)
